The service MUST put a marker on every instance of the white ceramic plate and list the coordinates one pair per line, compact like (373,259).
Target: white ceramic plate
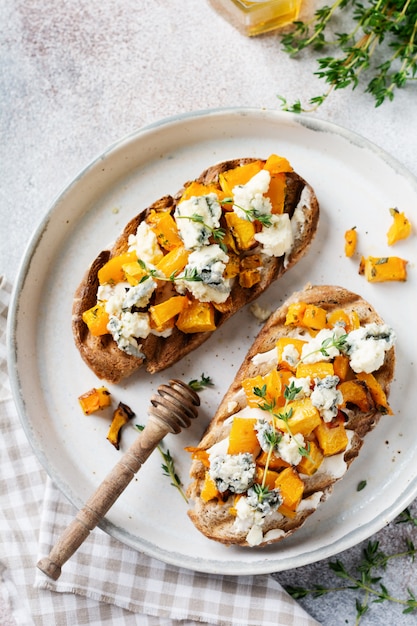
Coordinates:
(356,184)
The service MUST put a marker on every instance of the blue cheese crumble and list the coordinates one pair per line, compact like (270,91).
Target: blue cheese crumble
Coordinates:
(367,345)
(276,239)
(196,218)
(249,201)
(233,472)
(326,397)
(209,264)
(251,511)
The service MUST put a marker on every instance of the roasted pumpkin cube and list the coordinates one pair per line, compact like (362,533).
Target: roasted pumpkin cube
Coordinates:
(121,416)
(350,320)
(209,490)
(249,278)
(282,344)
(291,488)
(383,269)
(342,367)
(232,266)
(200,189)
(321,369)
(134,272)
(400,227)
(243,436)
(97,319)
(242,230)
(165,311)
(269,476)
(112,272)
(311,463)
(95,400)
(356,392)
(351,240)
(198,317)
(239,176)
(295,314)
(378,394)
(266,389)
(276,164)
(174,261)
(332,436)
(199,454)
(275,462)
(314,317)
(276,193)
(304,417)
(165,228)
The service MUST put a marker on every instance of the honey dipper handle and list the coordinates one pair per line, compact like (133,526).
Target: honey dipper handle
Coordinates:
(104,497)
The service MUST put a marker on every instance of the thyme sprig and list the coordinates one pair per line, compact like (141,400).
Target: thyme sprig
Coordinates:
(367,579)
(340,343)
(217,233)
(168,467)
(273,436)
(201,383)
(251,214)
(381,46)
(188,275)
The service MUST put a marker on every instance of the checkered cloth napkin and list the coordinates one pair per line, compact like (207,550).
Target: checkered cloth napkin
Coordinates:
(105,582)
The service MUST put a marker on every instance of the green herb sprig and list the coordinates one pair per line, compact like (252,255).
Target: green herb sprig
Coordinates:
(168,467)
(283,414)
(340,343)
(188,275)
(251,214)
(198,384)
(217,233)
(367,577)
(380,48)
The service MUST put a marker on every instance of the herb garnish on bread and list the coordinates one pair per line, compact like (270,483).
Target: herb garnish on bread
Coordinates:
(187,263)
(313,384)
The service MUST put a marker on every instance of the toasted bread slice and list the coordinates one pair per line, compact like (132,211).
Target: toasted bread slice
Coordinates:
(355,412)
(101,352)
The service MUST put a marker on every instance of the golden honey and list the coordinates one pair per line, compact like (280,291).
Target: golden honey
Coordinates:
(258,16)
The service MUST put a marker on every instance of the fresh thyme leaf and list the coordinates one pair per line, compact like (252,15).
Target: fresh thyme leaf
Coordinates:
(168,467)
(380,49)
(361,485)
(218,233)
(252,214)
(366,580)
(200,384)
(406,517)
(340,343)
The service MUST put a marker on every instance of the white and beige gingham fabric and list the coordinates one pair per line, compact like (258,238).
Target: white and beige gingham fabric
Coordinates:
(105,582)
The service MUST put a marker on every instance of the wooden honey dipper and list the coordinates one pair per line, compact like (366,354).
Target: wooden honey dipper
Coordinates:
(172,409)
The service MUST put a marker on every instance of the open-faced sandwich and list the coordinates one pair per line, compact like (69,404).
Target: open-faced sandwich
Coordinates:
(313,384)
(186,264)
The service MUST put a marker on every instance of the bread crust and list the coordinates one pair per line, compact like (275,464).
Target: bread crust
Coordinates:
(101,353)
(212,518)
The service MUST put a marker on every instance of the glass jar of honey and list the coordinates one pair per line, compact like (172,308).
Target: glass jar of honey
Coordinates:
(254,17)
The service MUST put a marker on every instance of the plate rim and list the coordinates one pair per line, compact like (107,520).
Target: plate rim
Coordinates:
(267,565)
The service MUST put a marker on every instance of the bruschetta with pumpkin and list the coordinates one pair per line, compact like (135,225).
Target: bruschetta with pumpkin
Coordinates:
(187,263)
(313,384)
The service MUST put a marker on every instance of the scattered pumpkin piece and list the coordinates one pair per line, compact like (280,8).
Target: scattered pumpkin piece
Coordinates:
(383,269)
(121,416)
(351,240)
(400,228)
(95,400)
